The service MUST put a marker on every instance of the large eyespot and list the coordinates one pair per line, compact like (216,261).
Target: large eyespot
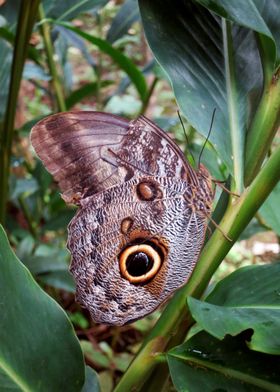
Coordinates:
(140,262)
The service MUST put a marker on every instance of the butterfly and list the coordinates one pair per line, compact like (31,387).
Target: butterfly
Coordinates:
(142,215)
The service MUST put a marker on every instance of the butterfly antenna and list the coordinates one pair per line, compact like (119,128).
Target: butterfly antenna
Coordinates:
(206,140)
(183,126)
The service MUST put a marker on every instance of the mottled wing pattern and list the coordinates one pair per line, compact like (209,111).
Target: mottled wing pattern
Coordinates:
(120,171)
(95,242)
(88,152)
(150,151)
(74,148)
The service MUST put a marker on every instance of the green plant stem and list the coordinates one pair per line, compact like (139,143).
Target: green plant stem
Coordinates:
(237,134)
(264,126)
(146,101)
(27,15)
(99,66)
(175,321)
(264,46)
(55,80)
(31,223)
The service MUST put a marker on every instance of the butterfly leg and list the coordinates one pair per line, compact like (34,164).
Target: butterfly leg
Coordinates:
(217,226)
(220,183)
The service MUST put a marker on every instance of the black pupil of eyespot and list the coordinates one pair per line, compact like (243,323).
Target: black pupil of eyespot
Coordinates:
(138,264)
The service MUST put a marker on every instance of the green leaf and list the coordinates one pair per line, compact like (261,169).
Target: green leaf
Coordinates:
(122,361)
(57,260)
(58,220)
(211,64)
(79,320)
(10,11)
(269,12)
(206,364)
(96,356)
(5,67)
(253,228)
(87,90)
(24,186)
(210,160)
(248,14)
(8,36)
(106,381)
(91,383)
(128,14)
(247,299)
(67,10)
(270,211)
(33,71)
(258,284)
(123,61)
(38,344)
(60,279)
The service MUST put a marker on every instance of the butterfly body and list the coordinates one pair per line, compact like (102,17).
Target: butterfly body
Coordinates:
(142,210)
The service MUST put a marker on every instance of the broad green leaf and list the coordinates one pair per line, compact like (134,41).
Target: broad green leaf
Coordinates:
(270,14)
(128,14)
(7,384)
(39,350)
(252,14)
(220,321)
(270,211)
(91,382)
(248,286)
(123,61)
(193,45)
(248,299)
(209,159)
(206,364)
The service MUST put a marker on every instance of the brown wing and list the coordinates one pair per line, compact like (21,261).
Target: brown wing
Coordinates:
(88,152)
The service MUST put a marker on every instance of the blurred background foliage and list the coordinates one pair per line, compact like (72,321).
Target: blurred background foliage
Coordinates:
(99,62)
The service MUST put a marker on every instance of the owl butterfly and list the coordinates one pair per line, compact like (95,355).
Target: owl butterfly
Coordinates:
(142,210)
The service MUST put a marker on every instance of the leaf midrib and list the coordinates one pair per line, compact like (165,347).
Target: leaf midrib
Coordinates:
(14,376)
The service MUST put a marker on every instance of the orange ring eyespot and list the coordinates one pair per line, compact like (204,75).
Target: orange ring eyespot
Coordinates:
(139,263)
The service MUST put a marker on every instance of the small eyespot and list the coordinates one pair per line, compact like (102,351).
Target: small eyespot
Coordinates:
(126,225)
(139,263)
(148,190)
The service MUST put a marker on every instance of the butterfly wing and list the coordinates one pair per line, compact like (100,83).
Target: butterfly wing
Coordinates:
(141,189)
(88,152)
(97,240)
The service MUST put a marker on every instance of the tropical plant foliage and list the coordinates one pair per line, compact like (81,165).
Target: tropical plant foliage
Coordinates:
(92,55)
